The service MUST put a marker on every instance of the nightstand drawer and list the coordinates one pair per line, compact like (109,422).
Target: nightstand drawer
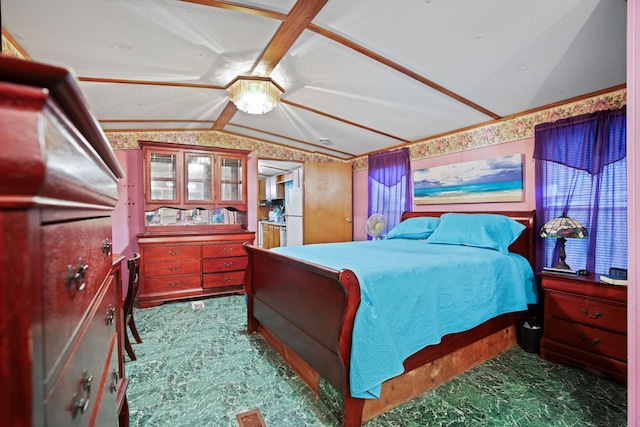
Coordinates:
(589,339)
(587,311)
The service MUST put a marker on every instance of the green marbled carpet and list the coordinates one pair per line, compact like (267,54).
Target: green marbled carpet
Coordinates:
(200,368)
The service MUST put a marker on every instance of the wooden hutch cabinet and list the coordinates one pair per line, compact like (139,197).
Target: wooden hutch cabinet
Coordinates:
(195,222)
(60,297)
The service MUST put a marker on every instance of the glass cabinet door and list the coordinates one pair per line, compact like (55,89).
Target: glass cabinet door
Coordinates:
(162,176)
(231,185)
(199,177)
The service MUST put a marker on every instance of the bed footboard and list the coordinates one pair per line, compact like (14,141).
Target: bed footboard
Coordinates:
(309,308)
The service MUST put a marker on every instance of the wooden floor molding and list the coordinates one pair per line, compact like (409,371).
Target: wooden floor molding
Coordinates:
(252,418)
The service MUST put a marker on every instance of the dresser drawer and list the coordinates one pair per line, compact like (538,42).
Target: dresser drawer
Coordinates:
(171,268)
(72,249)
(593,340)
(587,311)
(169,252)
(216,265)
(222,279)
(171,284)
(230,249)
(107,410)
(90,356)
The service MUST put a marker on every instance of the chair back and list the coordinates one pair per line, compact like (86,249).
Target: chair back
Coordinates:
(133,264)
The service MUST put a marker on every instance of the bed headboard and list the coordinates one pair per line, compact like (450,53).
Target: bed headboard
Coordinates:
(524,245)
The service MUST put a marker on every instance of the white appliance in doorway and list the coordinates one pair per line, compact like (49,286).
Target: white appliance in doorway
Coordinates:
(293,213)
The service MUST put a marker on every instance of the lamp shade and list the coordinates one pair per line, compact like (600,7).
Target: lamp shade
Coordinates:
(564,228)
(254,95)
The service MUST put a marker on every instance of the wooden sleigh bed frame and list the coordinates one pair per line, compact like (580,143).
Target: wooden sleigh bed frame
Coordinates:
(306,312)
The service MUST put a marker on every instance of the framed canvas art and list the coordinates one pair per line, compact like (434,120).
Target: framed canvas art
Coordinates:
(478,181)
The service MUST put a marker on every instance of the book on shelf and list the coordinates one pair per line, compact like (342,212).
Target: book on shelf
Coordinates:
(613,280)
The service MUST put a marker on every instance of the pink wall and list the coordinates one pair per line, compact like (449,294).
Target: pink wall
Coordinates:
(633,162)
(127,216)
(525,147)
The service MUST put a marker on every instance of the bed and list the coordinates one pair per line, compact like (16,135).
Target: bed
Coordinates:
(310,306)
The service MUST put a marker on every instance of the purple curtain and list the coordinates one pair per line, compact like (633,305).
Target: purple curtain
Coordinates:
(581,173)
(389,185)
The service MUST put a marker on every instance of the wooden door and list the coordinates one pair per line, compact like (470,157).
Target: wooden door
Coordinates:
(328,203)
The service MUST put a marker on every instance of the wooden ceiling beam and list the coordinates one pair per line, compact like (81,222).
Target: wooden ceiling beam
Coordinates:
(147,82)
(225,117)
(300,16)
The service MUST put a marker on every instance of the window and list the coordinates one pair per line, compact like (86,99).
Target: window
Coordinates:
(389,192)
(581,172)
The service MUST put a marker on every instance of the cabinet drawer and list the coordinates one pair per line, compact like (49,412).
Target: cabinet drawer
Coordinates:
(224,264)
(222,279)
(171,284)
(67,247)
(171,268)
(90,355)
(589,312)
(223,250)
(593,340)
(169,252)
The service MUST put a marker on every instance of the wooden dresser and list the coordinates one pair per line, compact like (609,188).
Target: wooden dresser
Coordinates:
(585,323)
(192,265)
(59,309)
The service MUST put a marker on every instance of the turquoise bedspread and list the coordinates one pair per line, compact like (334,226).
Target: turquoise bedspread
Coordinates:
(414,293)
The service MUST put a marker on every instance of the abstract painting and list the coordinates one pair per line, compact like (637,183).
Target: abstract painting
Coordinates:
(478,181)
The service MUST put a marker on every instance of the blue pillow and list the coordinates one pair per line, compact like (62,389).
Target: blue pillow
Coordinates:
(491,231)
(414,228)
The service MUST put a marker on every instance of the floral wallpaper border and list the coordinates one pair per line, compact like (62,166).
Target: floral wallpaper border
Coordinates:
(507,130)
(500,132)
(129,140)
(9,49)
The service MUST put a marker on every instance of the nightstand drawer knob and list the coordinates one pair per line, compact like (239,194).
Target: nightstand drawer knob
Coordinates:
(586,312)
(593,342)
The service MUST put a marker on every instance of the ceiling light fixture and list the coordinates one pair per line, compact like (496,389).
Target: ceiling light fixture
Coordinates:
(253,94)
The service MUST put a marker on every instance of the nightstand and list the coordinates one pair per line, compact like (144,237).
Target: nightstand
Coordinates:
(585,324)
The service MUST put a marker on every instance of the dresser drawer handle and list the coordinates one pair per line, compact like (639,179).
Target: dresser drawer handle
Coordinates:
(115,377)
(111,314)
(171,268)
(81,404)
(106,247)
(591,342)
(173,284)
(228,264)
(173,253)
(586,312)
(227,250)
(77,277)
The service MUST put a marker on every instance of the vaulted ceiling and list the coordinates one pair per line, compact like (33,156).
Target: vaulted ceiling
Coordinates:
(359,76)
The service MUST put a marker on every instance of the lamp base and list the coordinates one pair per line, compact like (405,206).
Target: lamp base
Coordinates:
(562,265)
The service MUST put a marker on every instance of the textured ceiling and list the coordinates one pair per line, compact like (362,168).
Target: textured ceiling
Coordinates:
(365,75)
